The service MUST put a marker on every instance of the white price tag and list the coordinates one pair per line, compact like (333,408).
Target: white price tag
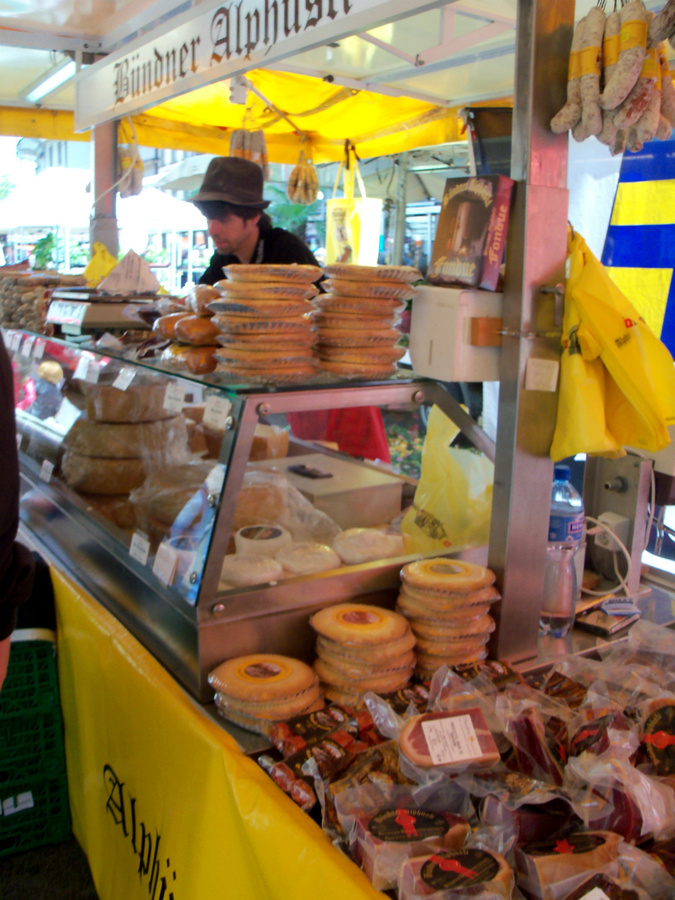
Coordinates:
(451,740)
(165,565)
(27,346)
(18,440)
(16,341)
(541,374)
(139,549)
(81,368)
(39,348)
(124,378)
(92,372)
(595,893)
(46,470)
(174,398)
(216,411)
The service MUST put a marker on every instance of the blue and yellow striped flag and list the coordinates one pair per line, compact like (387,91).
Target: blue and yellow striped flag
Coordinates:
(639,249)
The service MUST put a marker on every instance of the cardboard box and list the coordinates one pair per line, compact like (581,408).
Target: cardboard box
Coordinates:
(353,495)
(471,232)
(442,322)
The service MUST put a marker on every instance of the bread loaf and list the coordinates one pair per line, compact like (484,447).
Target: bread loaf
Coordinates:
(196,330)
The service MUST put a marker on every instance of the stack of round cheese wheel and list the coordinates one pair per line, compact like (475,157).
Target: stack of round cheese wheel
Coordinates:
(257,690)
(361,648)
(358,316)
(447,603)
(264,316)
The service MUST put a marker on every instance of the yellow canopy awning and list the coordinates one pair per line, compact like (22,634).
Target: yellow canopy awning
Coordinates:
(294,111)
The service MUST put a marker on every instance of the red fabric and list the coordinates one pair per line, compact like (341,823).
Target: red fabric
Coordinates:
(359,431)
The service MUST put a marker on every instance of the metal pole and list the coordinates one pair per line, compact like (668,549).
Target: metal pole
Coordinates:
(530,361)
(399,209)
(103,225)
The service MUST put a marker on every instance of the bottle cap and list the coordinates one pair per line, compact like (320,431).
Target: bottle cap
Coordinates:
(561,472)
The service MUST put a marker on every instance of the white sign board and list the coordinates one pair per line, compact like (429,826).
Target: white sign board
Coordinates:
(211,43)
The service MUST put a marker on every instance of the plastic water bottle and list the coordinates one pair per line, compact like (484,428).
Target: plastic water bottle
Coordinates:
(565,531)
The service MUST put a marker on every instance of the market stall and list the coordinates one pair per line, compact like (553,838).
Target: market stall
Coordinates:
(528,359)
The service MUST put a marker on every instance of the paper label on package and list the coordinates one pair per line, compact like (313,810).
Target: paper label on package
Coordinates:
(596,894)
(124,378)
(46,470)
(81,368)
(216,411)
(451,740)
(541,374)
(174,398)
(16,341)
(165,565)
(92,372)
(131,274)
(39,348)
(27,346)
(139,549)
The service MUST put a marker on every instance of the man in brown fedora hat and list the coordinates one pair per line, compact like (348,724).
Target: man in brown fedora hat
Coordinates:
(231,198)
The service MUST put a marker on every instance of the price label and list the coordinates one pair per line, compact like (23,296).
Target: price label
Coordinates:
(81,368)
(451,740)
(18,440)
(16,341)
(46,470)
(165,565)
(92,372)
(139,549)
(216,412)
(65,312)
(174,398)
(124,378)
(27,346)
(595,894)
(541,374)
(39,348)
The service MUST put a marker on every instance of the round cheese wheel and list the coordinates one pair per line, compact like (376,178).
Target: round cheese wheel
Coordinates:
(278,709)
(365,666)
(454,630)
(359,623)
(261,540)
(94,475)
(356,322)
(445,649)
(272,272)
(127,440)
(169,489)
(252,342)
(446,575)
(267,359)
(292,374)
(243,569)
(306,558)
(142,401)
(352,272)
(262,677)
(360,545)
(116,507)
(470,870)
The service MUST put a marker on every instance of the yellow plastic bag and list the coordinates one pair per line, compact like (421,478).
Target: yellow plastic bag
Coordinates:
(100,265)
(453,499)
(617,380)
(353,224)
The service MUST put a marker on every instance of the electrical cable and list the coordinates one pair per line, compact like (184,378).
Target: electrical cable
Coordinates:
(623,580)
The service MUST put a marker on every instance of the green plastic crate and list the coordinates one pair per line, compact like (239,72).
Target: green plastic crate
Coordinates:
(34,813)
(34,807)
(32,679)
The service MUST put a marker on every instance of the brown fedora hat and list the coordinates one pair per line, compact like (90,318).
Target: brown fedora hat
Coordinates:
(230,179)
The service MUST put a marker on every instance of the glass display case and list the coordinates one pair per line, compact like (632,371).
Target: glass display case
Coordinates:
(204,514)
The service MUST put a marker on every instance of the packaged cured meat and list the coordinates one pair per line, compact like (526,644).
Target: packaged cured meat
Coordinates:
(457,874)
(448,741)
(386,825)
(302,731)
(601,887)
(658,735)
(590,729)
(529,821)
(610,793)
(550,870)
